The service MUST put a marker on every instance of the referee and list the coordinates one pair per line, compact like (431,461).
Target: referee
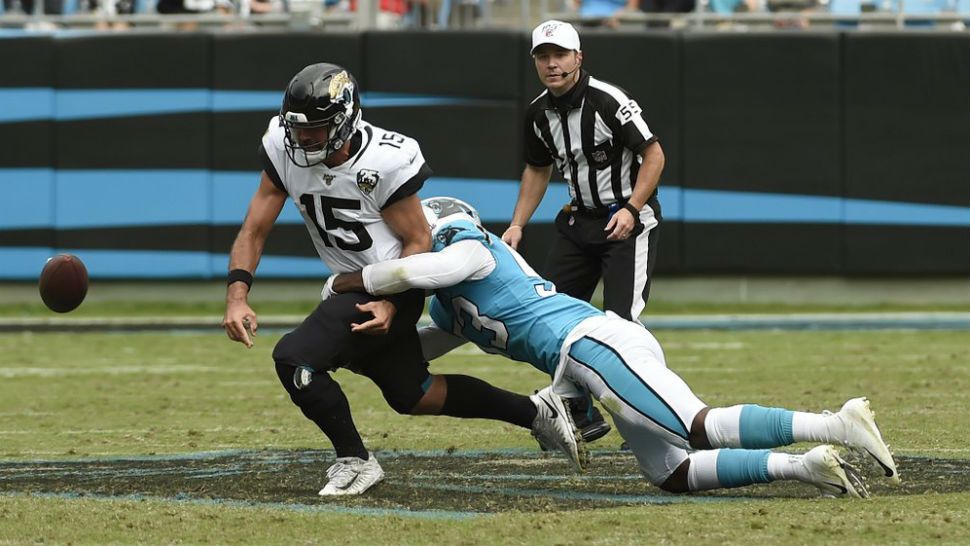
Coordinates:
(597,138)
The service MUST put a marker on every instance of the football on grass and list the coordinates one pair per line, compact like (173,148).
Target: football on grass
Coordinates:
(63,283)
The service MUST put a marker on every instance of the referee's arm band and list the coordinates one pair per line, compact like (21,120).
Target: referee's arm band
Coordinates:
(240,275)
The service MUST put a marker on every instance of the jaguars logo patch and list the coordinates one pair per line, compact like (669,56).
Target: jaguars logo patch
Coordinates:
(367,180)
(337,85)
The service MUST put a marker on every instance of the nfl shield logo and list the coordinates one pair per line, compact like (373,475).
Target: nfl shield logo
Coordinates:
(599,156)
(367,179)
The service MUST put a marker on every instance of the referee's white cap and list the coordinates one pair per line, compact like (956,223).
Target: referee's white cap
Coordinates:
(555,32)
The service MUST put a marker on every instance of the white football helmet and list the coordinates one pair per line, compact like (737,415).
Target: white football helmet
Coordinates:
(441,210)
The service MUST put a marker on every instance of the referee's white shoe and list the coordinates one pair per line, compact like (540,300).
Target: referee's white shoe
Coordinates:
(352,476)
(553,428)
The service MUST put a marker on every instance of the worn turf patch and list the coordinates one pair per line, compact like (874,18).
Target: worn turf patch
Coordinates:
(424,484)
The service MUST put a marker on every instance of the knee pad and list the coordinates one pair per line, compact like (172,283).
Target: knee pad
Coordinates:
(305,386)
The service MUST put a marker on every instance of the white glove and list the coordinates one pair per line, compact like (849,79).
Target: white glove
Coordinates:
(328,288)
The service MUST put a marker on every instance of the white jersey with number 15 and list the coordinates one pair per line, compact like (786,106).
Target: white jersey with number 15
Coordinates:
(342,206)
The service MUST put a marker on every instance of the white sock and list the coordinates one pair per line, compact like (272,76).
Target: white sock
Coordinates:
(702,472)
(816,427)
(723,426)
(783,466)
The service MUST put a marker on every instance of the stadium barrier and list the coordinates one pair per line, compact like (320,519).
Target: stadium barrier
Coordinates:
(834,153)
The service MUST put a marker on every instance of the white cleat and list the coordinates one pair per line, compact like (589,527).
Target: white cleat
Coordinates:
(862,435)
(831,475)
(553,428)
(352,476)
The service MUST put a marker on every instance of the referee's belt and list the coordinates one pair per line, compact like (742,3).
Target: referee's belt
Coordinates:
(601,212)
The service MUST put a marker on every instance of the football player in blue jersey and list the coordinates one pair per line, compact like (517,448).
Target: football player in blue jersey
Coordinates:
(484,292)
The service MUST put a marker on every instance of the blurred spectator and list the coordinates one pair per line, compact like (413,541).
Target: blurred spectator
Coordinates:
(667,6)
(604,12)
(467,13)
(391,14)
(420,14)
(50,7)
(726,7)
(193,6)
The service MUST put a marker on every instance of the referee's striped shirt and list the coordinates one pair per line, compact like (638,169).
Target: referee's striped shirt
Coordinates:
(595,134)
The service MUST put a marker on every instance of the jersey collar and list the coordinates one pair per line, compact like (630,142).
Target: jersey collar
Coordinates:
(574,97)
(355,143)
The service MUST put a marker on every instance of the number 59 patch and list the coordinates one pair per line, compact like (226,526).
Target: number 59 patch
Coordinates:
(628,110)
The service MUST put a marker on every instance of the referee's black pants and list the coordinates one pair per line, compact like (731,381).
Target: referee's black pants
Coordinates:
(581,255)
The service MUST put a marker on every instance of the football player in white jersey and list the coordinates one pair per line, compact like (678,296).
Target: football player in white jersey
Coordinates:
(486,293)
(356,187)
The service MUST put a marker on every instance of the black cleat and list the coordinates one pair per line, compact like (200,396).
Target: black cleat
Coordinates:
(590,422)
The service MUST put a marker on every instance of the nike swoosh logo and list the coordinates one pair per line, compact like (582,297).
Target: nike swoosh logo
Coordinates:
(555,414)
(888,471)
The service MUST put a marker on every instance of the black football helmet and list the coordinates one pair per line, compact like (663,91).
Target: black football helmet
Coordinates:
(320,95)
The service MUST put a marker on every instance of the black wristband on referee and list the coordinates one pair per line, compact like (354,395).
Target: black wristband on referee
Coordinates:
(633,210)
(240,275)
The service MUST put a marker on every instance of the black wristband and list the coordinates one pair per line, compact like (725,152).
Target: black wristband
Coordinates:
(240,275)
(633,210)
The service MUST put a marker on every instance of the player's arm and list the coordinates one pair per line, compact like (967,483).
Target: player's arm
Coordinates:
(461,261)
(264,208)
(406,219)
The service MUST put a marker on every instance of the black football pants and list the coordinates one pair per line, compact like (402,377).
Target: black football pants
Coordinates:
(581,255)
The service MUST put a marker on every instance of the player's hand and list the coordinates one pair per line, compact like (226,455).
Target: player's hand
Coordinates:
(513,236)
(620,226)
(383,312)
(240,322)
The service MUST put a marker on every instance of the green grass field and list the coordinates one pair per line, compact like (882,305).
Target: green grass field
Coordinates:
(94,397)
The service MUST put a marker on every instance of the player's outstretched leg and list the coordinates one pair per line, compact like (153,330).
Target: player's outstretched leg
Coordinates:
(721,468)
(554,429)
(751,426)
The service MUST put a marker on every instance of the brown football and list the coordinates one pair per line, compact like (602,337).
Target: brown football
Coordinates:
(63,283)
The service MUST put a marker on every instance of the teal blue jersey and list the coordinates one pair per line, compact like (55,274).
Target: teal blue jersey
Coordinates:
(512,311)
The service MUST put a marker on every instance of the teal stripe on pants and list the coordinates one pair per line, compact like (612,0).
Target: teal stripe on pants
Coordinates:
(608,364)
